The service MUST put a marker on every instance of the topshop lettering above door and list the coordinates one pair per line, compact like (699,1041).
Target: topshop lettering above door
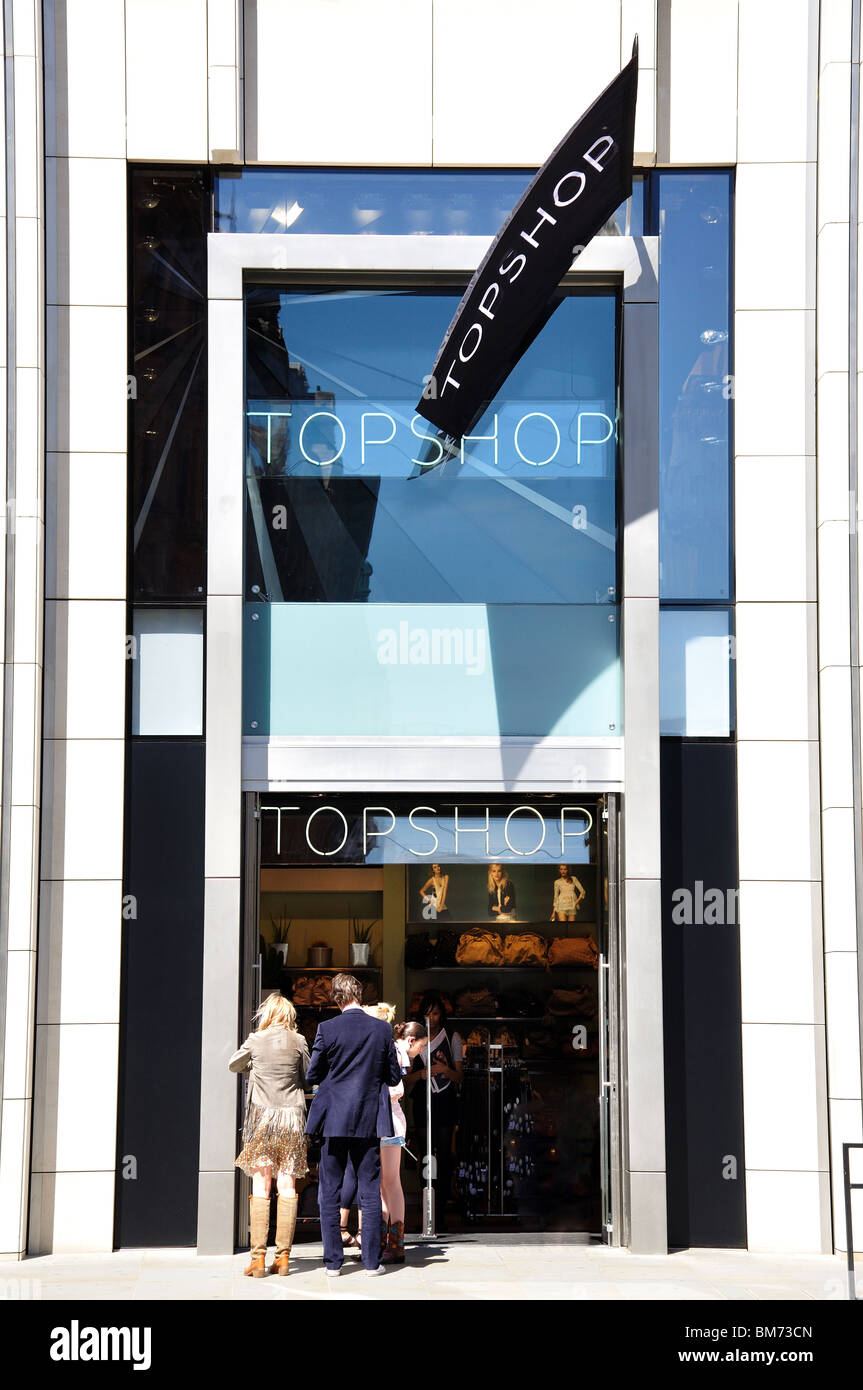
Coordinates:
(395,830)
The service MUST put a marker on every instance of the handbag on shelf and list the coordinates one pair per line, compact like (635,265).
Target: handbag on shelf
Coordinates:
(302,991)
(475,1003)
(418,951)
(564,1003)
(479,948)
(520,1003)
(573,950)
(524,948)
(540,1042)
(444,947)
(321,988)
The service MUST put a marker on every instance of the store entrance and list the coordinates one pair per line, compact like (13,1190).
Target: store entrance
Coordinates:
(508,957)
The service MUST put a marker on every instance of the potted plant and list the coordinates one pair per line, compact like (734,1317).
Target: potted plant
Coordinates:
(281,929)
(320,955)
(361,933)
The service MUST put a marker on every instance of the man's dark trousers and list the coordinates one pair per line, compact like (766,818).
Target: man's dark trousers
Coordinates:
(365,1155)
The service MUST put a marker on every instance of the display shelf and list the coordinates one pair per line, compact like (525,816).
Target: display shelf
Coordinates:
(532,1019)
(464,969)
(490,924)
(334,969)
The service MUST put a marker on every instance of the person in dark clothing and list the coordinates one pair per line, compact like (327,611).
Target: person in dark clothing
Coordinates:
(353,1063)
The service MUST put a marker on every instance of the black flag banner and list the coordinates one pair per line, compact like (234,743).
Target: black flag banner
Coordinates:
(583,181)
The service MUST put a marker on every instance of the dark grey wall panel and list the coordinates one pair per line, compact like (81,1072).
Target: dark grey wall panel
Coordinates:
(701,996)
(160,1054)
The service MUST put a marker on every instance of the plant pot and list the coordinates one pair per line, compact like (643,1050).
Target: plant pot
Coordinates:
(320,957)
(360,952)
(281,950)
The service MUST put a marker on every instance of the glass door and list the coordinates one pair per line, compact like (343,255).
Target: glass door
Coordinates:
(513,961)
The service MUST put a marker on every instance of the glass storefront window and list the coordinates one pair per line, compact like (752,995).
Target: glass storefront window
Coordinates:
(695,385)
(167,388)
(473,594)
(696,655)
(416,202)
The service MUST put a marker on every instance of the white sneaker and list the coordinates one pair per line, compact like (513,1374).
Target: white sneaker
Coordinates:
(333,1273)
(380,1270)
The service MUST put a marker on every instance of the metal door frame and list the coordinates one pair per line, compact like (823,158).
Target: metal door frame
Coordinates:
(250,972)
(611,1148)
(609,995)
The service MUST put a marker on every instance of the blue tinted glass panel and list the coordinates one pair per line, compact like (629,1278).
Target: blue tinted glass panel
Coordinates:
(464,595)
(420,202)
(350,496)
(431,669)
(696,659)
(694,223)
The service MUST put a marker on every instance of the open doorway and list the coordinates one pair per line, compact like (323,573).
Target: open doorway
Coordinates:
(513,952)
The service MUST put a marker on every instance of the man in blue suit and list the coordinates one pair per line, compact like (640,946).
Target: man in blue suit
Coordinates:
(353,1062)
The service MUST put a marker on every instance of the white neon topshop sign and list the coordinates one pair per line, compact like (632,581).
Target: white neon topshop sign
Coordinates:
(368,440)
(557,822)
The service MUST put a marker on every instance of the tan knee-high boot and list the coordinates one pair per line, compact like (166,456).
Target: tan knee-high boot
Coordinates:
(259,1225)
(286,1223)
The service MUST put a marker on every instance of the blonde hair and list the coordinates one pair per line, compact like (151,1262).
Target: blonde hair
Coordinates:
(492,885)
(276,1012)
(387,1012)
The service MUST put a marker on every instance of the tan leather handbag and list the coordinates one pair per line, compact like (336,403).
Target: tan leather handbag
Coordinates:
(479,948)
(563,1003)
(524,948)
(573,950)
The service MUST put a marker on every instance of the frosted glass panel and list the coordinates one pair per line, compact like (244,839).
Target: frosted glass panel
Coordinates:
(696,655)
(432,669)
(168,672)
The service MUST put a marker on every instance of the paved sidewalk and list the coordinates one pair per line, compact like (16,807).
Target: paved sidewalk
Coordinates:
(464,1268)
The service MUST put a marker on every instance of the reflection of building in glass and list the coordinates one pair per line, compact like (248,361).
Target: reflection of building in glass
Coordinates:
(307,537)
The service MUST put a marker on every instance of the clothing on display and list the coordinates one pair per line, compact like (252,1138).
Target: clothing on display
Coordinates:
(567,895)
(501,900)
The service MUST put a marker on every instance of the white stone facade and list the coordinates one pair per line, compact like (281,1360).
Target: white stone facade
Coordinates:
(764,87)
